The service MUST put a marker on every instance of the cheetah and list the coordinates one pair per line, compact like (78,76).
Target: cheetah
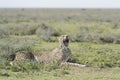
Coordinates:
(62,54)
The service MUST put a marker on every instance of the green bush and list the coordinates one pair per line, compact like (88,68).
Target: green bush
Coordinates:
(23,29)
(107,38)
(46,33)
(98,35)
(84,34)
(4,32)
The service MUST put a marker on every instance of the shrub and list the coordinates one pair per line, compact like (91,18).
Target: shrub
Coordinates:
(117,39)
(85,34)
(23,29)
(107,38)
(3,32)
(82,35)
(45,32)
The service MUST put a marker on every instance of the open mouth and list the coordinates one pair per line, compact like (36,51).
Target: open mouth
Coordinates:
(66,41)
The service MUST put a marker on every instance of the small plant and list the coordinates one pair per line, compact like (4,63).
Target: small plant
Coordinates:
(15,68)
(24,66)
(63,72)
(51,66)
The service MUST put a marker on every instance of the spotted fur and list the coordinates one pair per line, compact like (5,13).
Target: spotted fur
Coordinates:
(61,54)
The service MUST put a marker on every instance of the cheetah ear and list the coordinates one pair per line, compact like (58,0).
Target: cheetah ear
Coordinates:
(69,37)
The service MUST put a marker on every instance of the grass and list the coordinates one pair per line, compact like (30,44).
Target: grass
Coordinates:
(97,55)
(94,25)
(72,74)
(94,40)
(101,59)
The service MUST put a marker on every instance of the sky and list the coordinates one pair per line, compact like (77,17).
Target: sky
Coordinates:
(59,3)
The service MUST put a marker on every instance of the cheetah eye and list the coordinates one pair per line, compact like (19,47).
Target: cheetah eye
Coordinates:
(66,36)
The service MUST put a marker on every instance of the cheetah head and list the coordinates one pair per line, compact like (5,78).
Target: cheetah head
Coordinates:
(64,40)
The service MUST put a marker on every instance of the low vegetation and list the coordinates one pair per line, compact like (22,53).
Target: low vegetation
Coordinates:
(94,41)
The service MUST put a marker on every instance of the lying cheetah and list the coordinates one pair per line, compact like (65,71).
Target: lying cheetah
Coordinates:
(61,54)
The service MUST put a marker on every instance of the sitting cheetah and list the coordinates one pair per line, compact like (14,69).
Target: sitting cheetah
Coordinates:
(60,54)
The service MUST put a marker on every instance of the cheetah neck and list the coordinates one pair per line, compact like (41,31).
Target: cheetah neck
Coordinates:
(63,47)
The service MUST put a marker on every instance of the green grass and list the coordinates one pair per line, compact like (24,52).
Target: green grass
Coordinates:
(103,61)
(97,55)
(92,34)
(72,73)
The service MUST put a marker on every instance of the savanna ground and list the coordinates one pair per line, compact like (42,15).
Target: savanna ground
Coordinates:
(94,41)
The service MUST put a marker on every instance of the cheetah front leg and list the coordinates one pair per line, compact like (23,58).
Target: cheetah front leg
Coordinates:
(73,64)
